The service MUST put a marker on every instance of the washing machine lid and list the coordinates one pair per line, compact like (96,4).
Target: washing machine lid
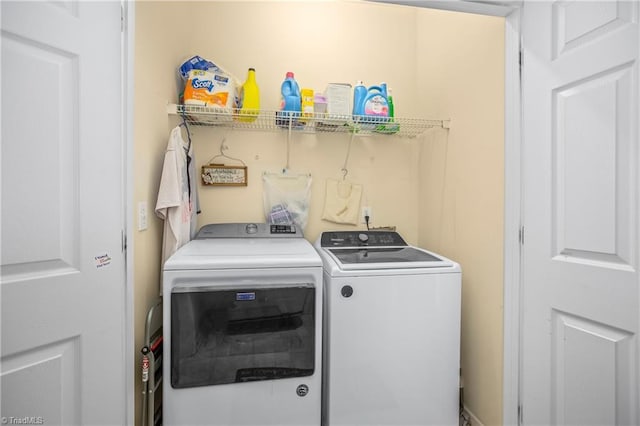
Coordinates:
(368,255)
(368,258)
(373,250)
(226,252)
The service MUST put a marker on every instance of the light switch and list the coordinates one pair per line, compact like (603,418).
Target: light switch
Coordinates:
(142,215)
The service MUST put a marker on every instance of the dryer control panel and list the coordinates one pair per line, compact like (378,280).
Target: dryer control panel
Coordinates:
(362,238)
(248,230)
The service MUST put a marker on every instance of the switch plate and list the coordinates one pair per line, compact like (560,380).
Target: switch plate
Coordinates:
(142,215)
(366,211)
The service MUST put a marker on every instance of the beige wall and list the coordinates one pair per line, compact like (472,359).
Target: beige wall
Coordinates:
(158,41)
(321,43)
(324,42)
(461,64)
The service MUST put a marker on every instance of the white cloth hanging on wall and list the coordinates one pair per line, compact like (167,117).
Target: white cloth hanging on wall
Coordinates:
(177,201)
(342,202)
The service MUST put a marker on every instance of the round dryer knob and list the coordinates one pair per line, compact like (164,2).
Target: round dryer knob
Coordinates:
(302,390)
(251,228)
(363,238)
(346,291)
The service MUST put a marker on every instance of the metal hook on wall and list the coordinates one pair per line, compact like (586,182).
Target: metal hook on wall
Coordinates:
(223,155)
(344,169)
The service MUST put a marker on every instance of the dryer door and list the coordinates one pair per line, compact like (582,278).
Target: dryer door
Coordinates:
(228,335)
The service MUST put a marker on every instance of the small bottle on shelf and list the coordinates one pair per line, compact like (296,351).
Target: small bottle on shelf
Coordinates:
(290,103)
(249,98)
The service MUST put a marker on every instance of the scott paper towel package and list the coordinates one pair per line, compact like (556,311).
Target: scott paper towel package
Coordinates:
(209,88)
(207,84)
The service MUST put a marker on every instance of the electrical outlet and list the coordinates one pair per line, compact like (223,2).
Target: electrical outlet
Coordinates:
(366,211)
(142,215)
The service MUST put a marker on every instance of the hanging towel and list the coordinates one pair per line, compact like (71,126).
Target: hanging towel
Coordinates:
(342,202)
(177,201)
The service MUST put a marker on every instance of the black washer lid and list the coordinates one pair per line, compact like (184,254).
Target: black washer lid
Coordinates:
(369,255)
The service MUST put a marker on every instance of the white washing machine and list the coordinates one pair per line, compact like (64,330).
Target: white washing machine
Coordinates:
(243,328)
(391,332)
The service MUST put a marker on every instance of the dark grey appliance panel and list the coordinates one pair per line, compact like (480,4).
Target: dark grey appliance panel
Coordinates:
(383,255)
(231,336)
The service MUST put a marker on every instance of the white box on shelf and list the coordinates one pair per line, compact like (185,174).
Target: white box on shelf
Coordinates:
(338,102)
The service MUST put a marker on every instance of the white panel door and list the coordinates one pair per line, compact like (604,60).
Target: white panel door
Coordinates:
(63,273)
(581,317)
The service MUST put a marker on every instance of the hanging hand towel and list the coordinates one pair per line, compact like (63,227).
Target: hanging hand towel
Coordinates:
(177,201)
(342,202)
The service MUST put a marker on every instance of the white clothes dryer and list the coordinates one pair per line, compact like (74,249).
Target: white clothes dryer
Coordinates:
(242,328)
(391,332)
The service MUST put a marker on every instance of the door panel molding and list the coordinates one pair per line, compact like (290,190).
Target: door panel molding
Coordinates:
(44,383)
(604,18)
(605,353)
(47,80)
(591,121)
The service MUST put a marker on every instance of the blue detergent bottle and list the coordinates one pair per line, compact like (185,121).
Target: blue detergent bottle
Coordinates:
(376,103)
(359,94)
(290,102)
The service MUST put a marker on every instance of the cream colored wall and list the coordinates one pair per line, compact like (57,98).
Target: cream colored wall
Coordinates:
(321,42)
(461,75)
(156,50)
(325,42)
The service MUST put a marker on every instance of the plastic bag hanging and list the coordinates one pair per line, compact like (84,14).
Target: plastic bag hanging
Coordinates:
(286,199)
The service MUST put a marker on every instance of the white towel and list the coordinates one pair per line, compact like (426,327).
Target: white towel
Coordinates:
(342,202)
(177,202)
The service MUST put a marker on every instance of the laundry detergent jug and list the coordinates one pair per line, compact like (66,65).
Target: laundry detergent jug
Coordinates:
(372,106)
(290,102)
(376,103)
(359,94)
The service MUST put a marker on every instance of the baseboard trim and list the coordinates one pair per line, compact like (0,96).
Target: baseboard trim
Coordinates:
(472,417)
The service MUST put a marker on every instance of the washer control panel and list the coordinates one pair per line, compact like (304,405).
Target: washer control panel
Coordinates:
(362,238)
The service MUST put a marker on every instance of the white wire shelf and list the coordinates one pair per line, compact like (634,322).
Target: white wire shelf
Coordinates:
(264,120)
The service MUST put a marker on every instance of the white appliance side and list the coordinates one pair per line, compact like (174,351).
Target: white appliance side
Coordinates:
(392,350)
(260,403)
